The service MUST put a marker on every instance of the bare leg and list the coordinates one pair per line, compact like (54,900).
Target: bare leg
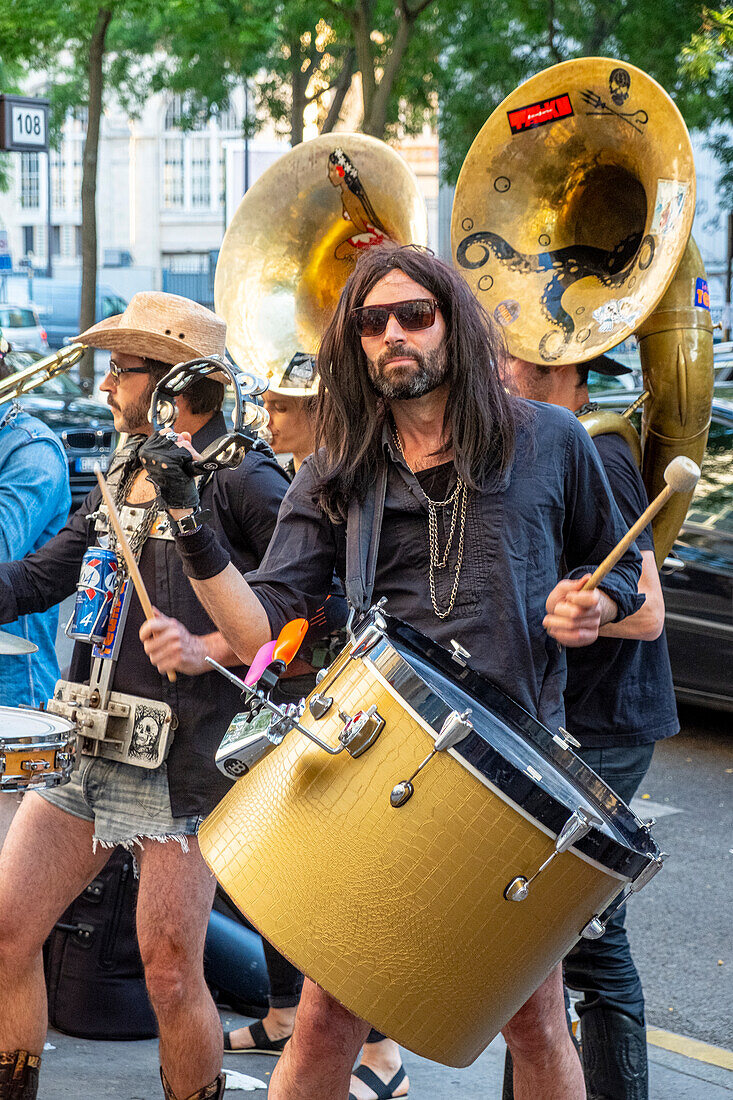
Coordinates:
(45,863)
(318,1059)
(174,903)
(546,1064)
(384,1059)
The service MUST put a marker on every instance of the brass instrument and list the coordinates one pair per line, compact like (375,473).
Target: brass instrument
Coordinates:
(39,372)
(294,239)
(571,222)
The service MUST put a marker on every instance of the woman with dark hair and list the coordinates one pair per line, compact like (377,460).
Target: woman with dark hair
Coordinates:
(488,500)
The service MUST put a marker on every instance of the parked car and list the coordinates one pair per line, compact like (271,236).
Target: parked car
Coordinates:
(723,361)
(58,307)
(22,329)
(697,575)
(85,426)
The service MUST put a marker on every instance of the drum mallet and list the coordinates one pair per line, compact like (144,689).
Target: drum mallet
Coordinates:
(132,566)
(681,476)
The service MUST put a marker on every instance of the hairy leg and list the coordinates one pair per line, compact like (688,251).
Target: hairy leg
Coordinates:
(45,863)
(546,1064)
(174,903)
(318,1059)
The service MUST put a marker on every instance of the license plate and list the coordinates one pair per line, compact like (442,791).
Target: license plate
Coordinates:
(86,465)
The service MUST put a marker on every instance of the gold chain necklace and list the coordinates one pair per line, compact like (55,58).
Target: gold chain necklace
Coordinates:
(458,499)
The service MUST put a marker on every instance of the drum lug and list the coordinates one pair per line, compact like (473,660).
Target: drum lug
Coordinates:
(459,654)
(575,828)
(361,731)
(454,729)
(594,929)
(569,737)
(35,766)
(320,705)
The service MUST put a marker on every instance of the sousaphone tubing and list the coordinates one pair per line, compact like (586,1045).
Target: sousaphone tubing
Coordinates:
(293,243)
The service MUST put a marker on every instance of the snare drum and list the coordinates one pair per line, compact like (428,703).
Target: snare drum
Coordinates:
(36,749)
(452,895)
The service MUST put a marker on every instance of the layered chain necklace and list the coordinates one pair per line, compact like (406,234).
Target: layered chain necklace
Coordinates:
(457,500)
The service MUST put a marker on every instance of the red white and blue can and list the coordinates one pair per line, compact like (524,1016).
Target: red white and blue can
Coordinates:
(95,592)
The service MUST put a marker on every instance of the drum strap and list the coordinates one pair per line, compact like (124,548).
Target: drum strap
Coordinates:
(363,530)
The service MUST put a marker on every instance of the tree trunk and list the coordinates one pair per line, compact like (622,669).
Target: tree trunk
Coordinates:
(375,115)
(342,86)
(89,190)
(299,82)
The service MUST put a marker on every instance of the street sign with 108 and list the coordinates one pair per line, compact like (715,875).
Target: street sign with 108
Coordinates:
(24,124)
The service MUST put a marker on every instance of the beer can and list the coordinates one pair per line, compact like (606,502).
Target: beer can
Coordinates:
(94,595)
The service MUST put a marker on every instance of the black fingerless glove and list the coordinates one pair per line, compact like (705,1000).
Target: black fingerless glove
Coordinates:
(170,468)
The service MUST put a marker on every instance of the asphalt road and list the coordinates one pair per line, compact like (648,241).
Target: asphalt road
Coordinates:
(680,925)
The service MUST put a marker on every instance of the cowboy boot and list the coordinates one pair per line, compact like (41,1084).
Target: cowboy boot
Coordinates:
(19,1075)
(214,1091)
(614,1056)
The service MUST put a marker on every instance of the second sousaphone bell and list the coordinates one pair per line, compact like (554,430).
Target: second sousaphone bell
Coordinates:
(294,240)
(578,194)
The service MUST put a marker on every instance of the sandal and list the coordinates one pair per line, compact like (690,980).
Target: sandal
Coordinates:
(263,1044)
(384,1090)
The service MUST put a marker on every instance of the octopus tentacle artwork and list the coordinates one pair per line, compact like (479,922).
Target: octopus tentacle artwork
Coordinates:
(610,266)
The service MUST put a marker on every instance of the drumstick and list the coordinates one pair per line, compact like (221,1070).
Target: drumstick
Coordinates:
(132,566)
(681,476)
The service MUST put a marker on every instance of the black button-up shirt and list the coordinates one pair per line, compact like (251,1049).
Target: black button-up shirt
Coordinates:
(244,505)
(555,514)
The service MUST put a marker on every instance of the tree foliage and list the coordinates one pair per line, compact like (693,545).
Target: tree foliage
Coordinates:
(706,66)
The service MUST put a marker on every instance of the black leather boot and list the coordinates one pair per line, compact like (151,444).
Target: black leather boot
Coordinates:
(19,1075)
(214,1091)
(614,1056)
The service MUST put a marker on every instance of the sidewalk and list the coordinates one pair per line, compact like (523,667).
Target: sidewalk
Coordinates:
(78,1069)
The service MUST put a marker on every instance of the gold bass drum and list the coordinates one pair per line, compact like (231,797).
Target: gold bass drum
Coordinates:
(457,892)
(571,222)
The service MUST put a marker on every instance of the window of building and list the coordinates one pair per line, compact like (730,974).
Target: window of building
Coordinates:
(30,193)
(28,241)
(173,173)
(58,178)
(193,159)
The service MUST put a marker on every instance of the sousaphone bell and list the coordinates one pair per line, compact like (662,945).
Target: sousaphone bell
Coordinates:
(571,223)
(293,243)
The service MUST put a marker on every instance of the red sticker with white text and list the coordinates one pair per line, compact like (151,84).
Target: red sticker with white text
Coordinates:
(539,114)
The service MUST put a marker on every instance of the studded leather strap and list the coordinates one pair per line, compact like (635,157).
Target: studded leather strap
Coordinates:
(214,1091)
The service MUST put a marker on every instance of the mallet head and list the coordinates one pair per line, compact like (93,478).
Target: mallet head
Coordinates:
(682,474)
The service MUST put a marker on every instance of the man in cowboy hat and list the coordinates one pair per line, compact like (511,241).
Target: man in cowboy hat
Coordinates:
(63,836)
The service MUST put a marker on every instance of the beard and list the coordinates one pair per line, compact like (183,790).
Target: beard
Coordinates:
(134,417)
(427,373)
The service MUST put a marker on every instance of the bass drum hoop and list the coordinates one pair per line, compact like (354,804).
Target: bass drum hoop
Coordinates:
(625,847)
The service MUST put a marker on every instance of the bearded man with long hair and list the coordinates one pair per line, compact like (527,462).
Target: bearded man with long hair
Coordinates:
(489,501)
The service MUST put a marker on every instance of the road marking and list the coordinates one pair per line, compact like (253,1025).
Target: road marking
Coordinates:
(645,808)
(690,1048)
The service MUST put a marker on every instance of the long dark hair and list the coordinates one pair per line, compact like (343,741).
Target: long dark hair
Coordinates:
(480,418)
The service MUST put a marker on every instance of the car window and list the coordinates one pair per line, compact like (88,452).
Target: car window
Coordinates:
(606,383)
(14,317)
(60,385)
(712,504)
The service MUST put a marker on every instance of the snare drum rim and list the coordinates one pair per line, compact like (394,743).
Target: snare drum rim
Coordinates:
(627,859)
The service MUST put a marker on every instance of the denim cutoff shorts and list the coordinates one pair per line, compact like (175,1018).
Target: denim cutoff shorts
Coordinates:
(127,804)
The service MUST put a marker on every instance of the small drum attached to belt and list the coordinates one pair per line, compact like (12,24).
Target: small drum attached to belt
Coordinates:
(36,749)
(439,860)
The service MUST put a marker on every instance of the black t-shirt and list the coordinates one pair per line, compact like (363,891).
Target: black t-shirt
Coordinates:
(619,691)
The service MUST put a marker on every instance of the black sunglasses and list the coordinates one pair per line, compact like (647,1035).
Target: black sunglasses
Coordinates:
(413,315)
(116,371)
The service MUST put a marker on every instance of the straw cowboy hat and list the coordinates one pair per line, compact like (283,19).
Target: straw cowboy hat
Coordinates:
(160,326)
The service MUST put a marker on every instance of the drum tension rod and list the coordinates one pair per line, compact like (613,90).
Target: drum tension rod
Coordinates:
(596,926)
(577,825)
(454,729)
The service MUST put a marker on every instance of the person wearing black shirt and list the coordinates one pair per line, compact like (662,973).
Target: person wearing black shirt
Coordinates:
(619,701)
(409,380)
(63,836)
